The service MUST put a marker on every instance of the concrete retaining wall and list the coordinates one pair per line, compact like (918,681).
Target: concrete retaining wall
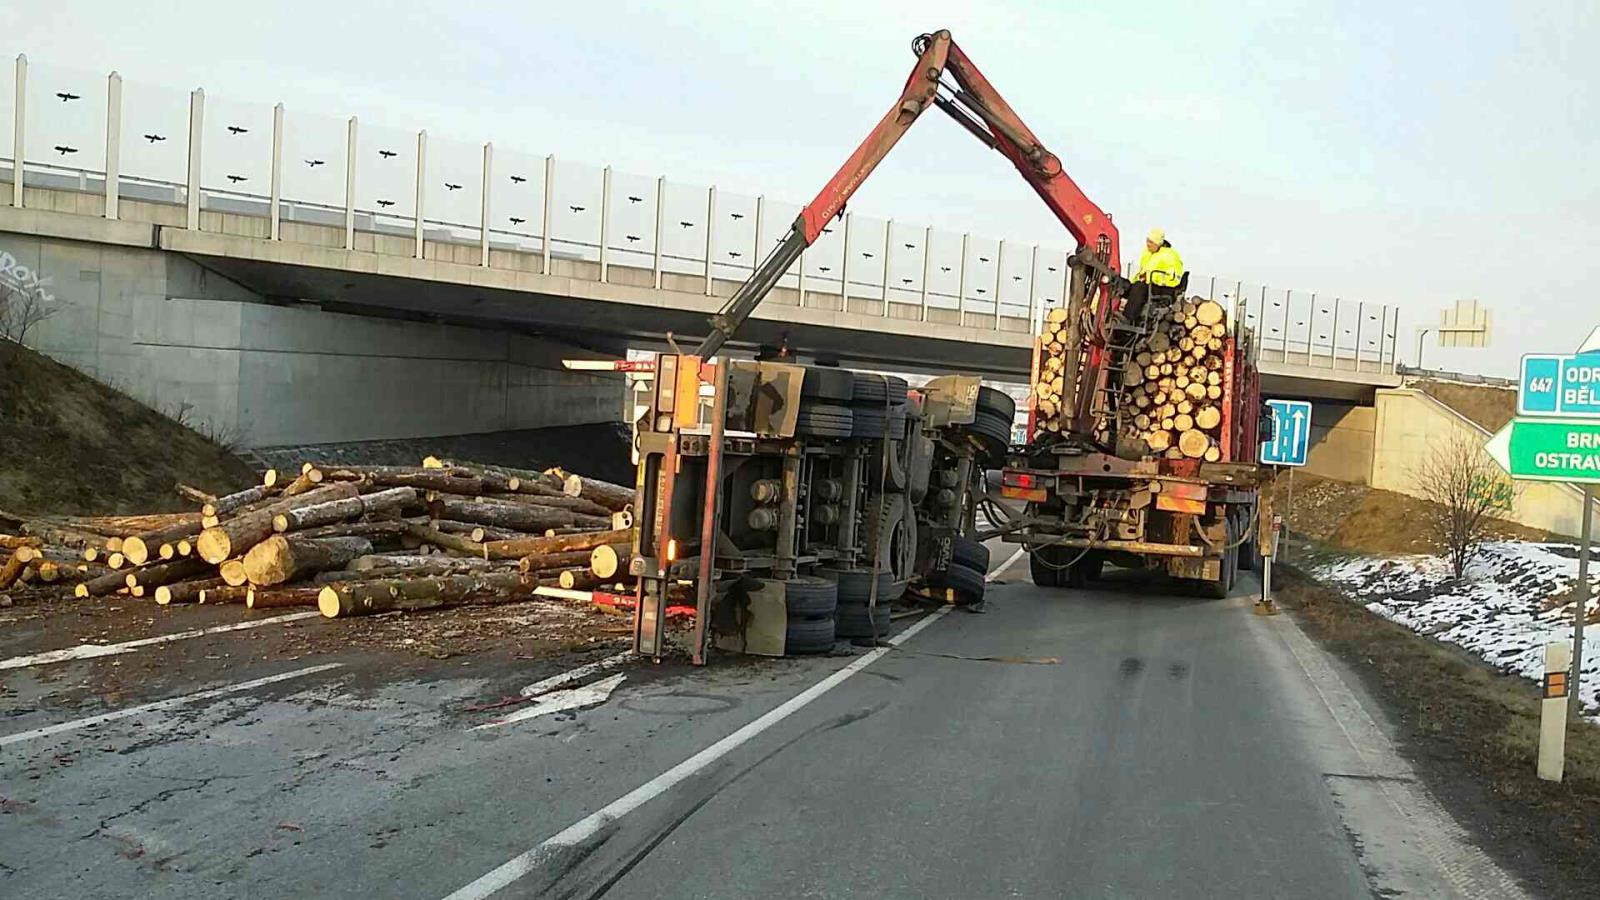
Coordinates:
(179,337)
(1341,441)
(1410,424)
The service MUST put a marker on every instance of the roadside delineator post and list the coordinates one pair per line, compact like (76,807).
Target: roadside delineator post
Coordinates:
(1553,710)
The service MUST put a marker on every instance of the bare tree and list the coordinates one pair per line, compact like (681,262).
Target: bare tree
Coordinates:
(21,308)
(1466,488)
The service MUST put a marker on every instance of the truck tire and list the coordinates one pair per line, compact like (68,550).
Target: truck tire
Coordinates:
(994,433)
(969,553)
(855,586)
(811,634)
(827,384)
(810,596)
(852,620)
(967,582)
(997,403)
(824,420)
(1044,565)
(872,389)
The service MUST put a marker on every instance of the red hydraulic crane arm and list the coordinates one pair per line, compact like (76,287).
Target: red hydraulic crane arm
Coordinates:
(973,103)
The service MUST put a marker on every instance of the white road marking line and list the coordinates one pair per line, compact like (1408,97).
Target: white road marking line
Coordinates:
(508,872)
(90,651)
(560,701)
(562,679)
(1006,565)
(112,716)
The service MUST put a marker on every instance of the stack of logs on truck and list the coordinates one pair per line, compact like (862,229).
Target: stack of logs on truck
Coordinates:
(1150,462)
(838,493)
(349,540)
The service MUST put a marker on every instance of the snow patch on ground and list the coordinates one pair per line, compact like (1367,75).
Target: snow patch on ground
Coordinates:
(1512,601)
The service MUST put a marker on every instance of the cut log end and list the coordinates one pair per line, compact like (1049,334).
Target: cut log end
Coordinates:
(328,602)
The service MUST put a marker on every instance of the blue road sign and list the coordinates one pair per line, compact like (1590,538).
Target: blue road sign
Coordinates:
(1291,433)
(1560,385)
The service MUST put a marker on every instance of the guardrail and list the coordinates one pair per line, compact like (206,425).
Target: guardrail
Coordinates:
(131,140)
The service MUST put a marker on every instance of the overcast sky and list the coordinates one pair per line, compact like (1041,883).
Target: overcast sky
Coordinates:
(1394,153)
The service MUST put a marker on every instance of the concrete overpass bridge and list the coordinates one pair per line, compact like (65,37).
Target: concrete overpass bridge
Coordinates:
(247,204)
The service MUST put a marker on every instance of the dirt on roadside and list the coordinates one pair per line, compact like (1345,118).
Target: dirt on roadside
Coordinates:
(1357,517)
(1473,735)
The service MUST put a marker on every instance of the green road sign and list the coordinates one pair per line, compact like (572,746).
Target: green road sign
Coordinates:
(1548,450)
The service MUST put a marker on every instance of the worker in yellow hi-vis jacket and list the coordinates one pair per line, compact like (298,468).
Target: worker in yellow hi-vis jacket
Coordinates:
(1160,273)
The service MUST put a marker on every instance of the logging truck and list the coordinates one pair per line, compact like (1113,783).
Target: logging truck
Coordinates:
(1146,458)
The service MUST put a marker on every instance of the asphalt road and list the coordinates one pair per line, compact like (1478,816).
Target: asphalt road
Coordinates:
(1114,743)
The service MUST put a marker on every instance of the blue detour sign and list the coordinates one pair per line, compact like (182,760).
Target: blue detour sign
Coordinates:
(1560,385)
(1291,433)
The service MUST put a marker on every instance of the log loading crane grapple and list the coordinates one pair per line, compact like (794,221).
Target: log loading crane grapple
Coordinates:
(798,501)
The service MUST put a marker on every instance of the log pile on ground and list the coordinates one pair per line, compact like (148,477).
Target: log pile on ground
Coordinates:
(348,540)
(1169,390)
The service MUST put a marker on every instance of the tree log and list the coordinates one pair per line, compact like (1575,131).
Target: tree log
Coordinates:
(1208,417)
(344,508)
(385,532)
(12,541)
(366,597)
(610,560)
(580,505)
(278,598)
(237,535)
(504,514)
(14,564)
(166,573)
(442,480)
(561,543)
(1159,440)
(578,579)
(448,541)
(116,561)
(305,481)
(228,593)
(612,496)
(1208,312)
(223,505)
(232,572)
(452,564)
(101,585)
(1193,443)
(193,494)
(551,562)
(283,558)
(185,591)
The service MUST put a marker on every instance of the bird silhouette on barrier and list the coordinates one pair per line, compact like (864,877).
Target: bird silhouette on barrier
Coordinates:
(65,97)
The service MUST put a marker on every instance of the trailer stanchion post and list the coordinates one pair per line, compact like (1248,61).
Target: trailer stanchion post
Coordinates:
(712,511)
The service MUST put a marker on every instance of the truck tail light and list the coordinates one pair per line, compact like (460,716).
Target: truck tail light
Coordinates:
(1021,486)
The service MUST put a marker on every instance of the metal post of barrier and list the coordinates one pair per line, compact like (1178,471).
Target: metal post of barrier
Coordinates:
(1361,318)
(605,223)
(350,137)
(800,278)
(927,254)
(483,205)
(888,232)
(549,200)
(1288,300)
(961,282)
(1033,277)
(711,226)
(275,198)
(1333,352)
(655,263)
(421,195)
(844,269)
(999,263)
(755,236)
(114,143)
(19,131)
(197,115)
